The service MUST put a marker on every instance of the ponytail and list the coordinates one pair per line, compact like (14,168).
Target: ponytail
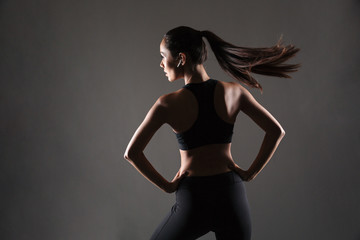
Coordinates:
(240,62)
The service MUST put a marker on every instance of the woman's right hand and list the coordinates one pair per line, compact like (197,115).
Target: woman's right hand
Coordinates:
(245,176)
(173,185)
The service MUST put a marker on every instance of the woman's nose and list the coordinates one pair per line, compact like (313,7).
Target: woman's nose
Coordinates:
(161,64)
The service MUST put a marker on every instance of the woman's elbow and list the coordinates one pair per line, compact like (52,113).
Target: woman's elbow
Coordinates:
(130,154)
(126,156)
(278,132)
(282,134)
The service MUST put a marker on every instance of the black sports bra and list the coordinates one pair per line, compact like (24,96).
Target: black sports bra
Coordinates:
(208,128)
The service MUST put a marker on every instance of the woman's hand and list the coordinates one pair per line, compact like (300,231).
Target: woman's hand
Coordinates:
(173,185)
(242,173)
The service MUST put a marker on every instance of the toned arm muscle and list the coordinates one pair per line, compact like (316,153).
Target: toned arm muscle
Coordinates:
(155,118)
(273,133)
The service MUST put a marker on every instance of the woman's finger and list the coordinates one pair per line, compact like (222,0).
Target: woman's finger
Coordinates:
(239,171)
(184,175)
(179,176)
(176,176)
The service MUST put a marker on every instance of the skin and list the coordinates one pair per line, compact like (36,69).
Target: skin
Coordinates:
(179,110)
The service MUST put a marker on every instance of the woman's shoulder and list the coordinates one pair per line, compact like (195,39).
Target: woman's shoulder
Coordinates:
(231,89)
(235,88)
(231,85)
(173,98)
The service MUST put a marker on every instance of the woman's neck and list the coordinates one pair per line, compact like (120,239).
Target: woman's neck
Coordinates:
(195,76)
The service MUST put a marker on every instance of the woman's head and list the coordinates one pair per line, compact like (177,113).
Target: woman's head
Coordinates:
(188,41)
(181,48)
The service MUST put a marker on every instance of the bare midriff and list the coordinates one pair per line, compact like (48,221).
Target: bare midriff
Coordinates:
(206,160)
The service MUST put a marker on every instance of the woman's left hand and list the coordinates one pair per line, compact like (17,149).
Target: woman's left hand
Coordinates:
(173,185)
(242,173)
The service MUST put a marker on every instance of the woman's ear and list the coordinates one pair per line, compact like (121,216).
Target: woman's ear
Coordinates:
(182,59)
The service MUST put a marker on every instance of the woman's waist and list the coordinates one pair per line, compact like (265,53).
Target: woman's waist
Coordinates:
(204,183)
(205,166)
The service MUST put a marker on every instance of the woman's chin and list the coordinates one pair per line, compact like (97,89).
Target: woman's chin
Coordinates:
(172,79)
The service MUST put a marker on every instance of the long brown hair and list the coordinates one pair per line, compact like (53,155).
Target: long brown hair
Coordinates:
(238,62)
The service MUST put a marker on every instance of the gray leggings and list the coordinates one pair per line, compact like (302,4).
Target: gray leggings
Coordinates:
(210,203)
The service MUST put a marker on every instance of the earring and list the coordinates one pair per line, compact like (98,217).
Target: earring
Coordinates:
(179,63)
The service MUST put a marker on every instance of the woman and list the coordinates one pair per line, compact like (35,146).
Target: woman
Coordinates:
(210,194)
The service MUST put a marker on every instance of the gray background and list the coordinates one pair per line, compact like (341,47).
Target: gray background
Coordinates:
(78,77)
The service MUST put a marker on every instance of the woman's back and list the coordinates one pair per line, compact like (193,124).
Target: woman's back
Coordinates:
(198,157)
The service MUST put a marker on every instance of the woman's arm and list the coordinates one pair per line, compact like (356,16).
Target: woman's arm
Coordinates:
(155,118)
(273,134)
